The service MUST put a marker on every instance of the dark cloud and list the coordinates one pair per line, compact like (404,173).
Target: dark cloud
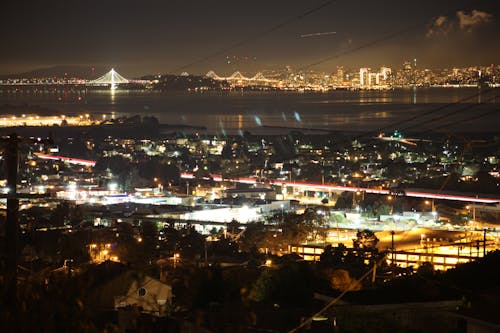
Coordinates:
(468,22)
(441,26)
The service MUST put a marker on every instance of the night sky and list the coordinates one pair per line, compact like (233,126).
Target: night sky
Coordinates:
(141,37)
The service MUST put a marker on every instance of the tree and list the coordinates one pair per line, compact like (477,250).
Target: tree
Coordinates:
(75,246)
(341,280)
(211,287)
(164,170)
(253,237)
(383,209)
(149,235)
(134,180)
(333,256)
(127,247)
(191,243)
(119,166)
(365,239)
(60,215)
(356,261)
(294,229)
(223,247)
(344,201)
(426,269)
(315,222)
(76,215)
(312,172)
(291,284)
(233,227)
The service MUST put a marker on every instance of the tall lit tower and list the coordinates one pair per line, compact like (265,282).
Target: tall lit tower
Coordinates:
(385,71)
(363,72)
(340,74)
(415,71)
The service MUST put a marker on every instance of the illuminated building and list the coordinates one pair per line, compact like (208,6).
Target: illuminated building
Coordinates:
(364,74)
(367,79)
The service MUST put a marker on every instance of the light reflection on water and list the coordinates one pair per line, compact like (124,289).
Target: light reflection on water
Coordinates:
(233,112)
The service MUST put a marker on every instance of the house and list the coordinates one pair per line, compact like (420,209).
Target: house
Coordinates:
(147,293)
(114,286)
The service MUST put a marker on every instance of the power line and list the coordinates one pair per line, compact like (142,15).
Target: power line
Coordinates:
(422,115)
(257,36)
(451,113)
(442,107)
(338,298)
(475,117)
(384,38)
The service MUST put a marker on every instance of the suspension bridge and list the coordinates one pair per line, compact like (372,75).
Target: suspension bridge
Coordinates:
(113,79)
(239,78)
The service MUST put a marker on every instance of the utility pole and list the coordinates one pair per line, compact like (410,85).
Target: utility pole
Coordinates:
(484,242)
(392,248)
(10,153)
(11,156)
(323,172)
(11,226)
(206,253)
(374,273)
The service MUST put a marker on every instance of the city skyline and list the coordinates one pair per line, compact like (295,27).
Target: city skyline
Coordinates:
(155,37)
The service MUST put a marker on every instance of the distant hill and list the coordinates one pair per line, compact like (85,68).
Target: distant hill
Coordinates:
(82,72)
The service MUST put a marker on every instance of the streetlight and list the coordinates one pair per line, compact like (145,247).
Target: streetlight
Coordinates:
(281,213)
(175,258)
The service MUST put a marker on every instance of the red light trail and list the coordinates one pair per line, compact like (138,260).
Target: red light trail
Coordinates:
(70,160)
(328,187)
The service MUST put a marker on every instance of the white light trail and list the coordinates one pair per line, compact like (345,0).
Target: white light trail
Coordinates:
(318,34)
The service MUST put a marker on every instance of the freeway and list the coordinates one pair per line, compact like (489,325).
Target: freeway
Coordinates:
(70,160)
(417,193)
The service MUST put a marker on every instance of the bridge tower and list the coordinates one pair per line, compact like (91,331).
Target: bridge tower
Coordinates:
(113,78)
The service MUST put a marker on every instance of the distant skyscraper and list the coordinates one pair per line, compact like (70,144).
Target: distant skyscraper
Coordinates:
(369,79)
(340,74)
(407,66)
(364,74)
(409,71)
(384,74)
